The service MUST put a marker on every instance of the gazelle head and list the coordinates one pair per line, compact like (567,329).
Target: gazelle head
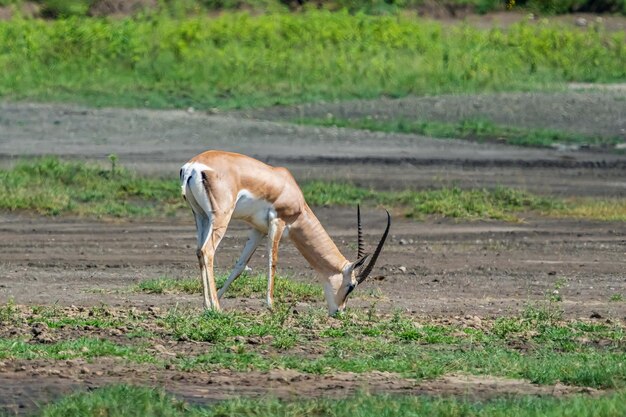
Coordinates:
(339,286)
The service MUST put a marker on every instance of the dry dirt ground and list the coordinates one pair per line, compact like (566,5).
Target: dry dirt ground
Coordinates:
(431,269)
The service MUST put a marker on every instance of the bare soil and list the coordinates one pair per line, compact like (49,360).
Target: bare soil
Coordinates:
(433,269)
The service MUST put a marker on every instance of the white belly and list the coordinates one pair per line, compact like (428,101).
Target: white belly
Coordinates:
(257,212)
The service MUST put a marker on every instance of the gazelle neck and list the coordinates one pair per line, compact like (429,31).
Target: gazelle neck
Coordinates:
(310,238)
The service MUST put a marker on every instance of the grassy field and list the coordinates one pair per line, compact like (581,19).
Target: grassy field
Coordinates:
(237,60)
(133,401)
(479,130)
(51,187)
(537,345)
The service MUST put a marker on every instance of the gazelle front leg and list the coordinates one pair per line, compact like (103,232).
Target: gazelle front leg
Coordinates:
(253,242)
(276,229)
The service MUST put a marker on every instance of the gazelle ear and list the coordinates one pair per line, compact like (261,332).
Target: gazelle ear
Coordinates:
(359,262)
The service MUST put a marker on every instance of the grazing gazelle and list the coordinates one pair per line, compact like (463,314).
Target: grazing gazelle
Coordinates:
(220,186)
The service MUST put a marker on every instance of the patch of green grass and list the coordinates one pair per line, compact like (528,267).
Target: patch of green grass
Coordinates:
(169,285)
(123,400)
(588,208)
(69,349)
(218,327)
(51,186)
(118,400)
(480,130)
(236,60)
(574,353)
(500,203)
(244,286)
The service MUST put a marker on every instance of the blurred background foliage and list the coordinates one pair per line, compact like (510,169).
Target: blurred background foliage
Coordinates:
(67,8)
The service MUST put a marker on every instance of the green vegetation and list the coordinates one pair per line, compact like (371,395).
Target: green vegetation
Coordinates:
(135,401)
(479,130)
(50,186)
(66,8)
(238,60)
(244,286)
(553,351)
(77,348)
(500,203)
(538,345)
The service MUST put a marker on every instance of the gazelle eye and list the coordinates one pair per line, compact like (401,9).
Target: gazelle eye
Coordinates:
(350,289)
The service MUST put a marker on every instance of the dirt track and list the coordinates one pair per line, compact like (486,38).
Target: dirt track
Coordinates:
(479,269)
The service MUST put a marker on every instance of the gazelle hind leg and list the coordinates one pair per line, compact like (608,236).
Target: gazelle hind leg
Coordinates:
(206,256)
(276,229)
(204,231)
(253,242)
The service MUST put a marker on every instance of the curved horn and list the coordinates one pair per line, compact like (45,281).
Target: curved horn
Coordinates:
(379,248)
(361,249)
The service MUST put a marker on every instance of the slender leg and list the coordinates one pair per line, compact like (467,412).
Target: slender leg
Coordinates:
(204,230)
(276,229)
(206,256)
(253,242)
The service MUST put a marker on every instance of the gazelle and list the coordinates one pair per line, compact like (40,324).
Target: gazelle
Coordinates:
(220,186)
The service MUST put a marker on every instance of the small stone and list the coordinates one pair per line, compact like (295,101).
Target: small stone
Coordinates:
(581,21)
(403,242)
(595,315)
(84,370)
(402,269)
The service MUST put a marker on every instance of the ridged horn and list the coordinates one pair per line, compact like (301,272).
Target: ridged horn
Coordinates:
(363,275)
(361,249)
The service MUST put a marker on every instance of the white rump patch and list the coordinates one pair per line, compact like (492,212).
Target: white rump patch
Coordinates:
(191,182)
